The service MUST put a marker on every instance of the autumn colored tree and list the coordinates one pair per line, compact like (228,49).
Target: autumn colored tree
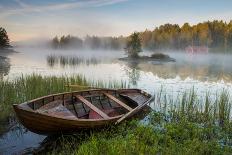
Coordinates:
(228,35)
(186,35)
(213,34)
(146,39)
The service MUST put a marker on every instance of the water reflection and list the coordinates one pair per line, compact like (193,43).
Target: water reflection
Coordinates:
(133,72)
(53,60)
(19,140)
(175,76)
(208,67)
(211,67)
(4,66)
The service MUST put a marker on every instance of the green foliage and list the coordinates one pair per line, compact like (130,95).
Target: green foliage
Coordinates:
(175,138)
(133,46)
(190,128)
(183,126)
(29,87)
(215,34)
(4,40)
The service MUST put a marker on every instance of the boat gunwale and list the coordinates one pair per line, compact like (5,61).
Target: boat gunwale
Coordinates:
(23,105)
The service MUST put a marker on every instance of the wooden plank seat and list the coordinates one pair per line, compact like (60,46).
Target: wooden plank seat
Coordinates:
(50,105)
(56,108)
(135,97)
(118,101)
(93,107)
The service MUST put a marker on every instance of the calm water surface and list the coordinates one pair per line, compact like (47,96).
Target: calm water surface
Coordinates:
(208,72)
(205,72)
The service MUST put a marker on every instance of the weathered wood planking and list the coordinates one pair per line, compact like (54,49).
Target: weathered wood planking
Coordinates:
(118,101)
(90,105)
(55,113)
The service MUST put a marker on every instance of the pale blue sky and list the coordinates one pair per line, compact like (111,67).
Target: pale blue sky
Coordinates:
(26,19)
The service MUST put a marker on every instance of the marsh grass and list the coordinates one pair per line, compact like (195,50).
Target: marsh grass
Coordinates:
(53,60)
(29,87)
(188,124)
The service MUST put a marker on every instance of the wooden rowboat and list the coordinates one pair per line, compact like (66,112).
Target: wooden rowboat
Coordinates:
(68,112)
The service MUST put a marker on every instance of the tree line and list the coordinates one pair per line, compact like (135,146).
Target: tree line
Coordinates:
(213,34)
(92,42)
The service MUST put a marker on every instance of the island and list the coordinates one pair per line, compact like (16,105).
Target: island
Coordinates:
(134,47)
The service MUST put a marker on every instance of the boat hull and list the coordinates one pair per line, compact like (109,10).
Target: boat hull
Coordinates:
(46,124)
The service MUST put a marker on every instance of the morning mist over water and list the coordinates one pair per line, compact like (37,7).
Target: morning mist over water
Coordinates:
(196,68)
(115,77)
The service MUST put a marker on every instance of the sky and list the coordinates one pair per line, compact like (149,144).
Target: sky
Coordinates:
(29,19)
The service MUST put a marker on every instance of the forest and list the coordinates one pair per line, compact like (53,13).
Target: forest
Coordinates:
(216,35)
(90,42)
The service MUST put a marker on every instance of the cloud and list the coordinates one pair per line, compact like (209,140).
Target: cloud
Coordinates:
(25,8)
(21,3)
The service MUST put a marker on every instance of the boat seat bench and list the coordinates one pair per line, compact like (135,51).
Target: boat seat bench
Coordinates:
(93,107)
(135,97)
(56,109)
(118,101)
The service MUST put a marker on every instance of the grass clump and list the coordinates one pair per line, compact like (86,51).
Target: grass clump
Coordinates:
(30,87)
(174,138)
(186,125)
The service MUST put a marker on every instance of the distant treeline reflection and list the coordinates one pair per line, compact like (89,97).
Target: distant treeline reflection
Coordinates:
(53,60)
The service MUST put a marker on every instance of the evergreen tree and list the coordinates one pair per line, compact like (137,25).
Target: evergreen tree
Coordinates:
(4,40)
(133,46)
(55,42)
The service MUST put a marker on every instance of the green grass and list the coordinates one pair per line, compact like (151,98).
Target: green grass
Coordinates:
(29,87)
(189,125)
(186,124)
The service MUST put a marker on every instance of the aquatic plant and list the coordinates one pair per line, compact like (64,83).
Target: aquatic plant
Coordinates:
(32,86)
(187,125)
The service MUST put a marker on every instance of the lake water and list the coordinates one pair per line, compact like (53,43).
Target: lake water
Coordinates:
(205,72)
